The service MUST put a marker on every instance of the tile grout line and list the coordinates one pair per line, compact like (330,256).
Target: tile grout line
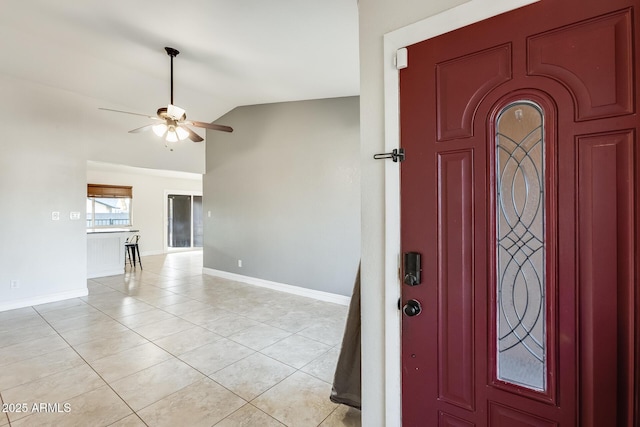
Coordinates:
(114,287)
(175,357)
(96,372)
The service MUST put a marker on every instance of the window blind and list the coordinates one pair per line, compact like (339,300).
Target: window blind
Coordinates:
(102,190)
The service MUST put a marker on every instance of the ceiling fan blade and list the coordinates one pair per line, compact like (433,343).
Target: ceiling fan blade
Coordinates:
(208,126)
(141,129)
(128,112)
(192,135)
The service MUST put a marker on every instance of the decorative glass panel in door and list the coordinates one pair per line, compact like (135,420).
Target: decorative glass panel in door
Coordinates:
(520,229)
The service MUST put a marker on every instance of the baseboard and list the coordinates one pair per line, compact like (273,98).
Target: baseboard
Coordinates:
(297,290)
(150,253)
(171,251)
(43,299)
(105,273)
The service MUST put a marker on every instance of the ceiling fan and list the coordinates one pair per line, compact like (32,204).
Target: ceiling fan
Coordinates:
(171,121)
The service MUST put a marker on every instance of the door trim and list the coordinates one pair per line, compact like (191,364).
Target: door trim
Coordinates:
(452,19)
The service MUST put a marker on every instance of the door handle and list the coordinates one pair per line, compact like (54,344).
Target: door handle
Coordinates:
(412,268)
(412,308)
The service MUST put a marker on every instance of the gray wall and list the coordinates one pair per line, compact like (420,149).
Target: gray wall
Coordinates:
(284,194)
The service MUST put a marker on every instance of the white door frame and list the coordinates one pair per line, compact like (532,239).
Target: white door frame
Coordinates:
(452,19)
(165,215)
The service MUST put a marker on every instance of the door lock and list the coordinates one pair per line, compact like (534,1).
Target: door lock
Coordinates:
(412,268)
(412,308)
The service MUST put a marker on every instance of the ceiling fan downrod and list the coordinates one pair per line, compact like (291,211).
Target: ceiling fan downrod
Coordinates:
(172,53)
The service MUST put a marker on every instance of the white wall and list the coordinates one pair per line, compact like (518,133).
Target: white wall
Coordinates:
(419,20)
(47,137)
(108,140)
(42,169)
(148,207)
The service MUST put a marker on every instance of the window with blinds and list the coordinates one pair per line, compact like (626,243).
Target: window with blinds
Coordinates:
(109,205)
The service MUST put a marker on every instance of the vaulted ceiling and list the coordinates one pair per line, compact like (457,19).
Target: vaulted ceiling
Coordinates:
(232,52)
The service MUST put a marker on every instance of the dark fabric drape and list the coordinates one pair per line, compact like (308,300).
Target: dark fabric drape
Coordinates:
(346,381)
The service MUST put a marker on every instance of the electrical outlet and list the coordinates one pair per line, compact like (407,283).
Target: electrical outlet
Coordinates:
(74,215)
(55,216)
(239,263)
(15,284)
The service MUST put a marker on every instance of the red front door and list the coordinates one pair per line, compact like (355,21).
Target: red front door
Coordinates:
(520,193)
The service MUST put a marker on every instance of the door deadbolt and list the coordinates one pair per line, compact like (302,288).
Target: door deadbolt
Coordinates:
(412,308)
(412,268)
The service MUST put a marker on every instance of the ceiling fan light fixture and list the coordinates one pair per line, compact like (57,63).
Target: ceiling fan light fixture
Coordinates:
(172,136)
(159,129)
(182,134)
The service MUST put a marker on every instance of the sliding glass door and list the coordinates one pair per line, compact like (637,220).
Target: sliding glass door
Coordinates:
(184,221)
(196,221)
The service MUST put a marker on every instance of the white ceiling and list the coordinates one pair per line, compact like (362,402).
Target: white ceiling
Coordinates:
(232,52)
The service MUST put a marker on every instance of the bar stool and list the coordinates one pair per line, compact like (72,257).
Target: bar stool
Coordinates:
(132,249)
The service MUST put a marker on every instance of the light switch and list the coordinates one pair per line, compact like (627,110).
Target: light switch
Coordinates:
(74,215)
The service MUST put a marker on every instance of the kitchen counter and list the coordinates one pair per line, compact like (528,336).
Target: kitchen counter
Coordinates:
(110,230)
(105,251)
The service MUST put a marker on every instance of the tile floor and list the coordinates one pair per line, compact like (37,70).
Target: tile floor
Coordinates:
(169,346)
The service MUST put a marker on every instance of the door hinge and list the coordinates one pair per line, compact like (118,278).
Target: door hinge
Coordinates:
(396,155)
(402,58)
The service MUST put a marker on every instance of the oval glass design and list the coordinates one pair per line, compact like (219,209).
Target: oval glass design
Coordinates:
(520,246)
